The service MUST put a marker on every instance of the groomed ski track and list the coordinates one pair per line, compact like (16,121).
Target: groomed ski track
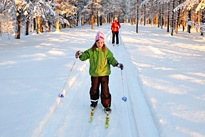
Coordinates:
(69,116)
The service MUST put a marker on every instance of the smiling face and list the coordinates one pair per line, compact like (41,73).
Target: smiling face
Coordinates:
(100,43)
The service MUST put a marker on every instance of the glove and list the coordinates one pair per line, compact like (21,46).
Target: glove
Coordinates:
(119,65)
(78,54)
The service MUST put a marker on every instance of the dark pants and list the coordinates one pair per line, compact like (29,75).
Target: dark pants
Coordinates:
(105,94)
(113,37)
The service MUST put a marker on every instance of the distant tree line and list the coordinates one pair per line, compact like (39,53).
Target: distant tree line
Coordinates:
(49,15)
(172,14)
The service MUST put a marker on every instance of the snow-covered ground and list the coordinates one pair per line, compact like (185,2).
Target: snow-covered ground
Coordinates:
(164,80)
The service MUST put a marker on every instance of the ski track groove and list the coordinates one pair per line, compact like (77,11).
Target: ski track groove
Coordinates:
(154,118)
(124,55)
(131,115)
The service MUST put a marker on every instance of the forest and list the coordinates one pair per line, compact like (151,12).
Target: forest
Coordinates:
(26,16)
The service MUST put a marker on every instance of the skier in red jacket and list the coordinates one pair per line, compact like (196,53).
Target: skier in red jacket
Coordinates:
(115,31)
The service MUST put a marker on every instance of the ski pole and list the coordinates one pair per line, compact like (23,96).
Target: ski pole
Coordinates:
(62,95)
(124,98)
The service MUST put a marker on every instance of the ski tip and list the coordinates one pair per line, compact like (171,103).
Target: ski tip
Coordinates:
(107,125)
(91,120)
(107,121)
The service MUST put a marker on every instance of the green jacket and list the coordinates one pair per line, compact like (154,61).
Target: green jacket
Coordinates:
(99,61)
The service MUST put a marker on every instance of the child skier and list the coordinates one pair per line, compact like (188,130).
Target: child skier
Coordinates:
(100,58)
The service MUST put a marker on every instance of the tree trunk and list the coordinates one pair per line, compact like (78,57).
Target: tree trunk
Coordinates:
(49,26)
(184,20)
(172,25)
(27,25)
(156,20)
(108,18)
(92,17)
(137,21)
(158,16)
(18,33)
(144,15)
(82,21)
(168,19)
(168,5)
(0,29)
(34,24)
(189,19)
(203,22)
(162,22)
(77,17)
(198,20)
(57,25)
(39,25)
(101,20)
(98,22)
(178,18)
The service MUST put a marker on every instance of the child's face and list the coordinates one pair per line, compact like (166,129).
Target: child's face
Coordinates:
(100,43)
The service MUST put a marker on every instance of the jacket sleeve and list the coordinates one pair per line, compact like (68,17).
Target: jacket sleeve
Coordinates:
(85,55)
(111,59)
(119,25)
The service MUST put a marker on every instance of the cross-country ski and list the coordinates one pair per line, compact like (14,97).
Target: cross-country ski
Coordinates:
(107,120)
(92,112)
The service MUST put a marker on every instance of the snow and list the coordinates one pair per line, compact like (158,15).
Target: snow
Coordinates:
(164,81)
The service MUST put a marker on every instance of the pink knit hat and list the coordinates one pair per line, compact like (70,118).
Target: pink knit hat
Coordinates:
(100,36)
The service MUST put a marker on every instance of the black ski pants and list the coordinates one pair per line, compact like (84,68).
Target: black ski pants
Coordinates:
(115,34)
(96,82)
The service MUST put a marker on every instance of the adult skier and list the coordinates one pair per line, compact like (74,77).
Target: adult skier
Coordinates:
(115,31)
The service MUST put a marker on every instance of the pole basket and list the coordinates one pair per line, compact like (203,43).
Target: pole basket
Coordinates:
(124,99)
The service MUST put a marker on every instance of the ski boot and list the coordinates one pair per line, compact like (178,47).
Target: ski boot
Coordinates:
(107,110)
(93,105)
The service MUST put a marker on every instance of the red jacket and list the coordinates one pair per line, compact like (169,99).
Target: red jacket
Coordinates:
(115,26)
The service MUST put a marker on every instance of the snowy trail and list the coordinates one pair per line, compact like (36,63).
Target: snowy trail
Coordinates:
(163,78)
(131,118)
